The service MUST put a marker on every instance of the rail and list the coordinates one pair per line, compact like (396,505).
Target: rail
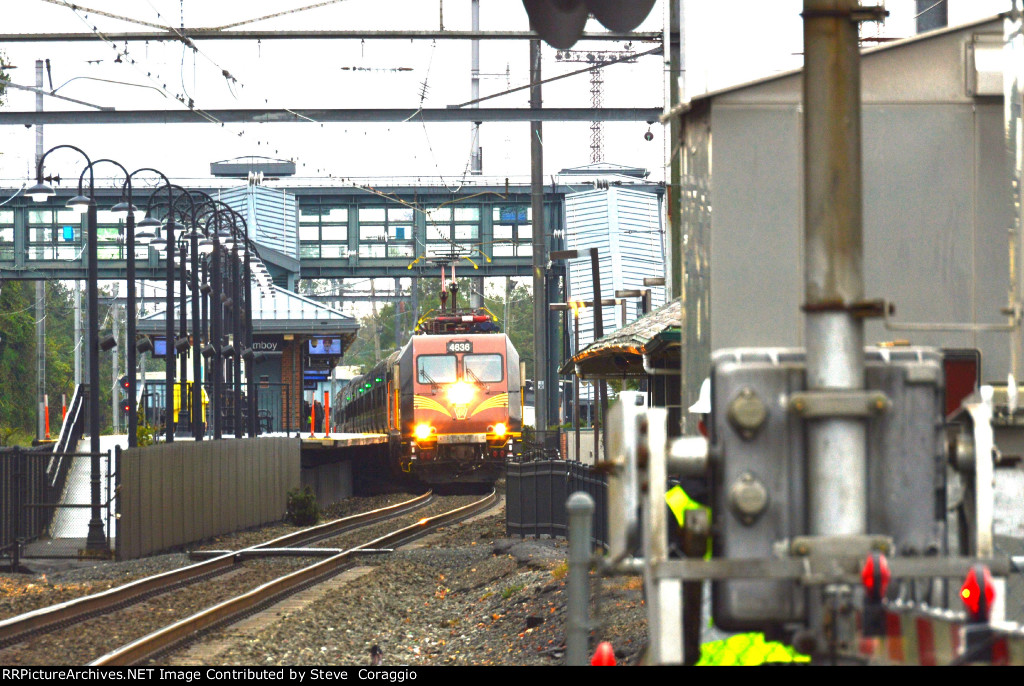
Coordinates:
(15,629)
(163,639)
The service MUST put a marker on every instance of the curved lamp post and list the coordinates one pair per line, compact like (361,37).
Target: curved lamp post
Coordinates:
(232,307)
(183,425)
(243,310)
(167,243)
(126,207)
(198,423)
(213,349)
(197,242)
(40,192)
(223,235)
(130,240)
(188,243)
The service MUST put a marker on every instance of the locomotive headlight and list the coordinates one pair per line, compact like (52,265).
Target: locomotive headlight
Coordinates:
(500,429)
(422,431)
(460,393)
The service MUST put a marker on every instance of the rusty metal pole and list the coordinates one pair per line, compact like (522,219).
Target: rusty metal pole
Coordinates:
(602,385)
(576,381)
(540,256)
(833,244)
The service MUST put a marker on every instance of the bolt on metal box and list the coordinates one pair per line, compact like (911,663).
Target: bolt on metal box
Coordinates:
(760,410)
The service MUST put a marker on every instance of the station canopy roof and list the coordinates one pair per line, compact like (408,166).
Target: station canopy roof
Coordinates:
(605,169)
(621,353)
(279,312)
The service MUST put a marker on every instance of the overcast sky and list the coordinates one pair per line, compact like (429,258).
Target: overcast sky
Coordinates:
(726,43)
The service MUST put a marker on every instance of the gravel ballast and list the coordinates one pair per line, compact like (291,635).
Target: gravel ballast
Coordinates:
(466,596)
(469,597)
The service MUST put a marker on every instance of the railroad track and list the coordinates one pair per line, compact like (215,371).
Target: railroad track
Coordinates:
(17,629)
(272,591)
(221,612)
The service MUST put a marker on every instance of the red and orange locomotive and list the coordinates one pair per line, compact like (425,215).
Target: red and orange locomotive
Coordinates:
(450,401)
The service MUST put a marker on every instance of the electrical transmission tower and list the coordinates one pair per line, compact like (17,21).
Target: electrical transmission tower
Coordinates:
(597,58)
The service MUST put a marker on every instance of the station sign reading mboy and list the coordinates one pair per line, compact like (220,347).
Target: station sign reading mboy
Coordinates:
(268,343)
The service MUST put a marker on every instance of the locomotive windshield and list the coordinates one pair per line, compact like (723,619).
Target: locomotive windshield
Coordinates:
(436,368)
(483,368)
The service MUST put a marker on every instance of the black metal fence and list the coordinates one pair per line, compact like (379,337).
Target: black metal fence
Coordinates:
(273,407)
(45,502)
(536,493)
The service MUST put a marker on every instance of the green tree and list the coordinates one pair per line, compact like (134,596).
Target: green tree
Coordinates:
(519,326)
(18,357)
(362,352)
(17,372)
(5,76)
(60,347)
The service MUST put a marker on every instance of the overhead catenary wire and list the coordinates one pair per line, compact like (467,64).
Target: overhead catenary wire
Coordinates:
(295,10)
(264,141)
(602,65)
(424,89)
(162,87)
(101,13)
(159,84)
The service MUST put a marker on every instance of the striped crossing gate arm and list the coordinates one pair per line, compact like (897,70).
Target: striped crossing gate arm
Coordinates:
(935,639)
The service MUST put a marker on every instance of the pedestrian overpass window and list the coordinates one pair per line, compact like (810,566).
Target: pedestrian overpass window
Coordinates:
(109,236)
(6,234)
(386,232)
(323,231)
(452,229)
(513,230)
(54,234)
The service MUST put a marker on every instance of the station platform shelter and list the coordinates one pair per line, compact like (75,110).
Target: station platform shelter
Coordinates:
(297,344)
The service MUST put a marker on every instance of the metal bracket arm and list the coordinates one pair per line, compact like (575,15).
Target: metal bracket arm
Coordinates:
(818,572)
(818,404)
(873,13)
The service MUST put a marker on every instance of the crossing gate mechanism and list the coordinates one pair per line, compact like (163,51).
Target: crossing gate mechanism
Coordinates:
(833,596)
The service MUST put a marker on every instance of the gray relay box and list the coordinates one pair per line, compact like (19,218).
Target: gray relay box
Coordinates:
(759,491)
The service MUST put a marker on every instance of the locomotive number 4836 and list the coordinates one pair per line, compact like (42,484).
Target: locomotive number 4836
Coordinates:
(460,346)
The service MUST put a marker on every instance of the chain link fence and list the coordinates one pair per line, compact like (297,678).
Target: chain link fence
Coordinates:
(46,502)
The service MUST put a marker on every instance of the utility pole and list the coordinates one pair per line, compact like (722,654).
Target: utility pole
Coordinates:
(114,372)
(476,294)
(78,334)
(376,323)
(508,304)
(477,166)
(399,302)
(540,256)
(673,56)
(40,286)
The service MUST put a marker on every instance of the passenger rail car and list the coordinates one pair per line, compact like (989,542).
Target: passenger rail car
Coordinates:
(450,404)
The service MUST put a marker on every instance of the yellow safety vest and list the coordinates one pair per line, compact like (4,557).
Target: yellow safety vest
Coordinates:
(747,650)
(679,501)
(741,649)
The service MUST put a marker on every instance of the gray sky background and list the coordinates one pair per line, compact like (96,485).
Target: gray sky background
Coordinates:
(726,43)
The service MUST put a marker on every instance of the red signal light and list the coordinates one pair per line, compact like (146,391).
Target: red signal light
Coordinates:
(977,593)
(875,575)
(604,655)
